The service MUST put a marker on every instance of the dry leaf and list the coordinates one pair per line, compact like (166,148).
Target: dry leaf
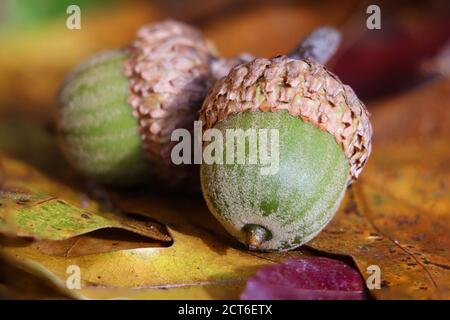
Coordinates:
(397,216)
(202,258)
(27,280)
(26,209)
(107,240)
(390,218)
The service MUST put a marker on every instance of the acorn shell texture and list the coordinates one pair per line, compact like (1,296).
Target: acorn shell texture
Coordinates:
(294,203)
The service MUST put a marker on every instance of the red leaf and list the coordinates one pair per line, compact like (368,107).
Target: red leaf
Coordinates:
(306,278)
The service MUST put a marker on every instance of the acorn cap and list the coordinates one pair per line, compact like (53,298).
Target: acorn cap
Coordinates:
(169,74)
(305,89)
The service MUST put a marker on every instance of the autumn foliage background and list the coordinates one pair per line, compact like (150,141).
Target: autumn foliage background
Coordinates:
(397,216)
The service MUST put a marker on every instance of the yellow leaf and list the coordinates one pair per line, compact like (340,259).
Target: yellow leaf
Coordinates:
(28,207)
(202,261)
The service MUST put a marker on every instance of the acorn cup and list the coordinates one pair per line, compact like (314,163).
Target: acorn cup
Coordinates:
(119,108)
(322,141)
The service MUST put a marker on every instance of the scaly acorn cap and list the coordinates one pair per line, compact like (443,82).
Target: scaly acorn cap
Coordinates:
(169,73)
(304,88)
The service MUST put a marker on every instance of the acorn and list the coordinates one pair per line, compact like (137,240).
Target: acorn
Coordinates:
(323,140)
(118,109)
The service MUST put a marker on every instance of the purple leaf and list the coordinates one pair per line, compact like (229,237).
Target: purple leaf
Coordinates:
(306,278)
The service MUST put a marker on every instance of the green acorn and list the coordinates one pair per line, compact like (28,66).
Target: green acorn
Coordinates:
(324,140)
(119,108)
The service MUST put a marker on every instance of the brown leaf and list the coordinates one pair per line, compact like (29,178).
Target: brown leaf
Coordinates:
(95,242)
(397,216)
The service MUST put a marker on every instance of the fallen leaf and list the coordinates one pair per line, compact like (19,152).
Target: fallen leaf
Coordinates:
(389,218)
(20,279)
(106,240)
(397,216)
(306,278)
(203,260)
(27,209)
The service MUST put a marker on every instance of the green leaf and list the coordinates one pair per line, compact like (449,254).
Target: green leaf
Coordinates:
(26,209)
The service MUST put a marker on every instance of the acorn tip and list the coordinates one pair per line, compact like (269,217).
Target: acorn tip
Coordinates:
(255,236)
